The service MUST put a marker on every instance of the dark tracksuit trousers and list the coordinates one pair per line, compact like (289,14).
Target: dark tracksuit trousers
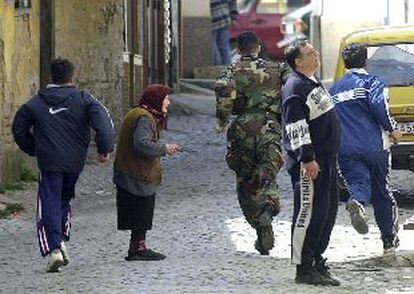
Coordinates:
(56,189)
(367,178)
(315,209)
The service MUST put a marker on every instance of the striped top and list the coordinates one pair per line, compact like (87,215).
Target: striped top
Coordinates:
(222,13)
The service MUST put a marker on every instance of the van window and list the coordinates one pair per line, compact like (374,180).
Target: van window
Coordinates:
(393,63)
(278,6)
(243,6)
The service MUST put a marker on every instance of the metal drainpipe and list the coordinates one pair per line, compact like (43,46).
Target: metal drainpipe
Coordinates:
(387,21)
(132,49)
(406,11)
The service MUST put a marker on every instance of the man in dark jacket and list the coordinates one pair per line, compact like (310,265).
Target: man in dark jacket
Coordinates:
(54,126)
(311,139)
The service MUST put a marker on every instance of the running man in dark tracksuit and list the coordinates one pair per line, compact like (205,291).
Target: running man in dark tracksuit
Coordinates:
(54,126)
(311,139)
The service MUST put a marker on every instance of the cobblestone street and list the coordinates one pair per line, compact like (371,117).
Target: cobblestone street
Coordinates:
(199,226)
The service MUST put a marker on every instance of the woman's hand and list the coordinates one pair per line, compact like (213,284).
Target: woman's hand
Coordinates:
(172,148)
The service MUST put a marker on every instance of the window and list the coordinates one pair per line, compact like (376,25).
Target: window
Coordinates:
(278,6)
(138,26)
(22,4)
(244,5)
(393,63)
(270,7)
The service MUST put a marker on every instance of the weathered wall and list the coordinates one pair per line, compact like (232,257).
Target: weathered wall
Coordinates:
(196,35)
(90,33)
(19,77)
(195,8)
(197,43)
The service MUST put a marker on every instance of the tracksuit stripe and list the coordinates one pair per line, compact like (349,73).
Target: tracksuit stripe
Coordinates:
(42,245)
(391,196)
(303,218)
(45,239)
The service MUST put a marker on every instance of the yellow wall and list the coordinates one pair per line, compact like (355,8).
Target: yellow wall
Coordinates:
(90,34)
(19,73)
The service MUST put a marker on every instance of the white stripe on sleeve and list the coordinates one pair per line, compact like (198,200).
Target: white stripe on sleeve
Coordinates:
(298,134)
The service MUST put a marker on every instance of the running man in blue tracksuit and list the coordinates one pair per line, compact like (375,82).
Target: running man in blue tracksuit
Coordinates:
(311,134)
(54,126)
(361,102)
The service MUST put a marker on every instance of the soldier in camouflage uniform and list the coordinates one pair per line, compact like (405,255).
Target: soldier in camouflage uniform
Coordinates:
(251,89)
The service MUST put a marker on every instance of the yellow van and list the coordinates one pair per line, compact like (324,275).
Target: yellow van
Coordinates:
(391,57)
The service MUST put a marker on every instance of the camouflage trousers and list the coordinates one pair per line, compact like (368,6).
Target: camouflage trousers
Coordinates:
(254,153)
(256,197)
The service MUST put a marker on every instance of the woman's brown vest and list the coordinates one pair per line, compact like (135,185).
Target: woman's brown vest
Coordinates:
(146,170)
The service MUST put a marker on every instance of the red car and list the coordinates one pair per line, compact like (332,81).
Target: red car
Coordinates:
(264,17)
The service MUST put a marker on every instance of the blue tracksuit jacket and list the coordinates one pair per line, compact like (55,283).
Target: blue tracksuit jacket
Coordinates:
(361,102)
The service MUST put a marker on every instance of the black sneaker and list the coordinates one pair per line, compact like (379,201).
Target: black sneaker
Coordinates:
(308,274)
(323,268)
(145,255)
(390,244)
(265,239)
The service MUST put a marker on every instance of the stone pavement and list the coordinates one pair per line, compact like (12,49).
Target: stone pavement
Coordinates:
(198,225)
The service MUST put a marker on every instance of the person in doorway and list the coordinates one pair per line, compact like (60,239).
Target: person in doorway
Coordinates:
(251,89)
(311,136)
(54,126)
(223,13)
(361,101)
(137,169)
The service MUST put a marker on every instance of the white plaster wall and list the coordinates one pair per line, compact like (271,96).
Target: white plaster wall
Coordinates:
(338,19)
(195,8)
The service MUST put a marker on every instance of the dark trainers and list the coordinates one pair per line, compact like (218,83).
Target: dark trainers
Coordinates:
(323,268)
(308,274)
(390,244)
(358,219)
(265,239)
(147,254)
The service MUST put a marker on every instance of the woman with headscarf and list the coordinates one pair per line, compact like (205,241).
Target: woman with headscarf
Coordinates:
(137,169)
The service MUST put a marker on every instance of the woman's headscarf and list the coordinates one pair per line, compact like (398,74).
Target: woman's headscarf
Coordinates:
(152,100)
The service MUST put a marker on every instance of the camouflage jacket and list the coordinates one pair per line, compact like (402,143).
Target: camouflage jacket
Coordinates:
(249,85)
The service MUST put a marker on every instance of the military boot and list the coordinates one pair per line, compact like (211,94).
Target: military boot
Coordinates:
(265,239)
(308,274)
(266,216)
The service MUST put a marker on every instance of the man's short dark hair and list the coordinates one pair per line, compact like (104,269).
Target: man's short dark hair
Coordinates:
(247,42)
(61,71)
(355,55)
(292,51)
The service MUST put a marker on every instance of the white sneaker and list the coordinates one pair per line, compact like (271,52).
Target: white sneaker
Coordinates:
(65,253)
(358,219)
(55,261)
